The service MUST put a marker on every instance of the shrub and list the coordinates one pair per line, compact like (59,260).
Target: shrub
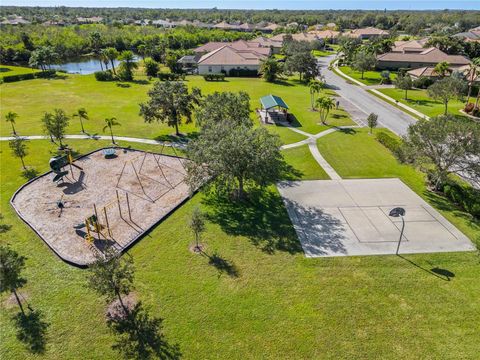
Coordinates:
(214,77)
(243,73)
(385,75)
(104,75)
(392,144)
(29,76)
(171,77)
(423,82)
(464,196)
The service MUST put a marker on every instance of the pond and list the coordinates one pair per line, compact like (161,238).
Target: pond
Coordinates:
(83,66)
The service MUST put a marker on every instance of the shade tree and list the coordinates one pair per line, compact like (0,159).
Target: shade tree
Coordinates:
(171,103)
(447,89)
(445,145)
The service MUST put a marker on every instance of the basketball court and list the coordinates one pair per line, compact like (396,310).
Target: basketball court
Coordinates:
(351,217)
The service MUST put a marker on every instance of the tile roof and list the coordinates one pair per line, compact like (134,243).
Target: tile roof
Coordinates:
(227,55)
(430,55)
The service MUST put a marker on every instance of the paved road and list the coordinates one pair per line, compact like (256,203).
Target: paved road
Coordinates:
(388,116)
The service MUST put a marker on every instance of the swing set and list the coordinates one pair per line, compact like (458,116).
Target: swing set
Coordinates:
(104,231)
(140,171)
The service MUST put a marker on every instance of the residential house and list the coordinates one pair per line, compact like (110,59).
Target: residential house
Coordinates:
(469,36)
(227,58)
(89,20)
(275,46)
(15,20)
(409,45)
(426,71)
(367,33)
(167,24)
(309,37)
(326,35)
(237,45)
(418,58)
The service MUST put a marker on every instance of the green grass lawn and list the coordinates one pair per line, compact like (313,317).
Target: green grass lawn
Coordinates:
(420,101)
(321,53)
(302,161)
(356,154)
(105,99)
(275,302)
(369,77)
(15,70)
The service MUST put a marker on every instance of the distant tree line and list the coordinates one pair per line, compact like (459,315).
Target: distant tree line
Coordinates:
(409,21)
(18,43)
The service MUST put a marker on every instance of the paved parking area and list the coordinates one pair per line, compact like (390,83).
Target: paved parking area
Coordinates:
(350,217)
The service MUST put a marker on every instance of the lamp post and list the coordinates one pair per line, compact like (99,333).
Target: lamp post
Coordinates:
(398,212)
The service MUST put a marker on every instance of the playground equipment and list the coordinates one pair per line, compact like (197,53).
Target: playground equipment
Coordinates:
(144,167)
(57,163)
(93,223)
(61,205)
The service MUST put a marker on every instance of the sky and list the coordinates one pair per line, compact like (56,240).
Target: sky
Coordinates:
(260,4)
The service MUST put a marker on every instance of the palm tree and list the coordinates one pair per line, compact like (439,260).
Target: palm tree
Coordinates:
(325,104)
(104,58)
(111,122)
(472,73)
(315,87)
(10,117)
(82,115)
(128,64)
(111,54)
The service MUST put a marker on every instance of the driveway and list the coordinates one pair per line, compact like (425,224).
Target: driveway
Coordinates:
(388,116)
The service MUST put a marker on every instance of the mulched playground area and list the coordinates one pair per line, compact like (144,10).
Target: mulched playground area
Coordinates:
(122,196)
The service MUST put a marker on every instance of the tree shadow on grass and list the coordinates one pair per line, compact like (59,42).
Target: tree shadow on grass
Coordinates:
(222,265)
(261,217)
(139,335)
(32,330)
(30,173)
(347,131)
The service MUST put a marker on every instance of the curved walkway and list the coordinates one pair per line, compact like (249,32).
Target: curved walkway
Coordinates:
(102,137)
(311,141)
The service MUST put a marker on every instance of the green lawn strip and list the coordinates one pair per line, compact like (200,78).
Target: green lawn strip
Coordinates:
(7,70)
(302,160)
(394,104)
(322,53)
(420,101)
(281,305)
(356,154)
(369,77)
(106,99)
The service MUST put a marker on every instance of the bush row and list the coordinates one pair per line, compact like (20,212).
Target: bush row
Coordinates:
(464,196)
(29,76)
(389,142)
(423,82)
(214,77)
(171,76)
(242,73)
